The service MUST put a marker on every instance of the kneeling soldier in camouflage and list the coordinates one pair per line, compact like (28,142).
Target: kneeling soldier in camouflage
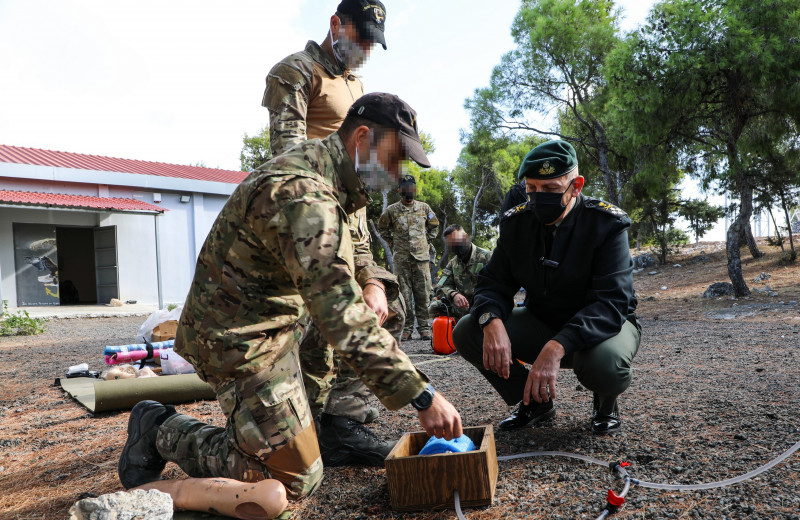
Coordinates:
(279,254)
(456,287)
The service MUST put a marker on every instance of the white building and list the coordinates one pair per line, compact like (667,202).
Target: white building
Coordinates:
(82,229)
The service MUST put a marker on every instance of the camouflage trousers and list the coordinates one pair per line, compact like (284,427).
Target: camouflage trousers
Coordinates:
(331,385)
(415,283)
(269,433)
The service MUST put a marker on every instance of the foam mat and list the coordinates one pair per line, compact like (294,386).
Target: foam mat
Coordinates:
(122,394)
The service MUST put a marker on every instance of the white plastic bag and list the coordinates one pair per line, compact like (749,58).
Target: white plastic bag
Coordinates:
(156,319)
(172,363)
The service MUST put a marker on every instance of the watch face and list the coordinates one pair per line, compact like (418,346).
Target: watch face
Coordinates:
(485,318)
(425,399)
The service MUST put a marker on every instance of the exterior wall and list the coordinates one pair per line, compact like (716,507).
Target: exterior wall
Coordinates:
(182,231)
(9,216)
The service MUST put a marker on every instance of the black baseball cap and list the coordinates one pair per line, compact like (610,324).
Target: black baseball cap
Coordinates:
(392,112)
(369,17)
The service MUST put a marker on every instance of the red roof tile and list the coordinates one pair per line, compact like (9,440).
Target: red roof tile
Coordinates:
(37,157)
(75,201)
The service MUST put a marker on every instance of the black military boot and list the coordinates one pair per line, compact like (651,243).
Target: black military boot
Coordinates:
(603,423)
(528,415)
(140,461)
(345,442)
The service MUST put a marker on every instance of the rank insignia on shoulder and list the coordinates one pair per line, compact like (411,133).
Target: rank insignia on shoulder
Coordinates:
(608,208)
(513,211)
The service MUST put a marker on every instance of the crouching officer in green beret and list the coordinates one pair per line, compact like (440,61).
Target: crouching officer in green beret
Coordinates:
(570,253)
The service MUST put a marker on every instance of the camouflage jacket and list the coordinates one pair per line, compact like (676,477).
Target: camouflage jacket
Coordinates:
(461,277)
(322,97)
(279,252)
(308,95)
(409,229)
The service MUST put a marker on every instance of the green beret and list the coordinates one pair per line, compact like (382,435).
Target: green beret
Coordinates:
(548,161)
(407,179)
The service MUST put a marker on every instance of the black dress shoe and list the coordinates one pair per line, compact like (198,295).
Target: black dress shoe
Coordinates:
(605,423)
(528,415)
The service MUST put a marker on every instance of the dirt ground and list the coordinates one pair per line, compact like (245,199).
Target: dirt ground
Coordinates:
(715,394)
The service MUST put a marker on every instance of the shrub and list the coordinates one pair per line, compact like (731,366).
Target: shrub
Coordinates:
(20,323)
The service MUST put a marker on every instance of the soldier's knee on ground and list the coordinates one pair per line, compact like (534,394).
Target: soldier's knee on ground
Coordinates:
(306,482)
(298,464)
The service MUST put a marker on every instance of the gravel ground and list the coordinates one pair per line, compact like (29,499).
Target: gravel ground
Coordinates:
(715,395)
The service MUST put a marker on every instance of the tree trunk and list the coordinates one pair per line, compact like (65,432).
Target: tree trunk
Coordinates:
(610,178)
(777,230)
(475,203)
(740,288)
(792,254)
(386,249)
(445,251)
(733,243)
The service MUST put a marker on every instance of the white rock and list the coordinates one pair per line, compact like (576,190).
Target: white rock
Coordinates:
(124,505)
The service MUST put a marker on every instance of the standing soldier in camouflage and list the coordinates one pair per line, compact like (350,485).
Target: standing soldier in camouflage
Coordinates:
(456,287)
(409,226)
(280,254)
(308,95)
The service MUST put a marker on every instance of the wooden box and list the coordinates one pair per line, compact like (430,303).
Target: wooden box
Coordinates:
(165,331)
(419,482)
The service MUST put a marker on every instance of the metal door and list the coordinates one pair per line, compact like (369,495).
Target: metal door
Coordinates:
(105,262)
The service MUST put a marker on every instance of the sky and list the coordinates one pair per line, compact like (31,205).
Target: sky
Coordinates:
(181,81)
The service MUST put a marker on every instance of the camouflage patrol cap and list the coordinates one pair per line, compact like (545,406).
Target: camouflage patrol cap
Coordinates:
(369,17)
(548,161)
(391,111)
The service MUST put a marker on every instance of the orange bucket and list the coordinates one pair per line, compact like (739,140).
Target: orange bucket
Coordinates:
(443,335)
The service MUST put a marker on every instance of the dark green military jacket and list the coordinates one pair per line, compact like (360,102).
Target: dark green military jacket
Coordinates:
(583,289)
(462,277)
(279,251)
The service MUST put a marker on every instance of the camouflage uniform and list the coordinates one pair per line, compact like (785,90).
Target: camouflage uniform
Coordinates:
(279,253)
(459,277)
(409,230)
(308,94)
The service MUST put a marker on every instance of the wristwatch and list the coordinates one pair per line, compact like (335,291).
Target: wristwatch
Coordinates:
(485,318)
(425,399)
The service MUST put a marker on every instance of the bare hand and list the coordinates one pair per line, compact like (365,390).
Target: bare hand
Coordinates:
(497,348)
(461,301)
(376,300)
(541,383)
(441,419)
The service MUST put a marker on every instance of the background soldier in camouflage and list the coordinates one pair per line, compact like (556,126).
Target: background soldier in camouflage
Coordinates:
(308,95)
(279,253)
(456,287)
(409,226)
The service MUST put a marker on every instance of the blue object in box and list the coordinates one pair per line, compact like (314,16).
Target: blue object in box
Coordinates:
(439,445)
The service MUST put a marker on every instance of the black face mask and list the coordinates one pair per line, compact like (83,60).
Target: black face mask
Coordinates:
(407,196)
(547,206)
(462,249)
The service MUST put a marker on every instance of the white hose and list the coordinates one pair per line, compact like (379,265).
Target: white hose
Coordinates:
(653,485)
(711,485)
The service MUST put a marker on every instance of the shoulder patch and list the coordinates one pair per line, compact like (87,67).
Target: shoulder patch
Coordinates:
(514,211)
(431,216)
(606,207)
